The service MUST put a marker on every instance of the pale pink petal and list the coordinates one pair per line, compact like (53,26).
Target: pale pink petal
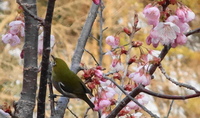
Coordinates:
(152,14)
(13,40)
(104,103)
(132,105)
(112,41)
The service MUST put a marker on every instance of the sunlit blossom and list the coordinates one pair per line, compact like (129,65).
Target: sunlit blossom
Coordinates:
(164,32)
(182,25)
(112,41)
(185,14)
(104,103)
(152,14)
(141,98)
(141,76)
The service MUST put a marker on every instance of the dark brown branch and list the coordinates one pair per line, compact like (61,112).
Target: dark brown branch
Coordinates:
(173,97)
(177,83)
(193,32)
(45,60)
(72,113)
(163,53)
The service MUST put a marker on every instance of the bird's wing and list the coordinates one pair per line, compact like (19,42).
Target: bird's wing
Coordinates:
(65,91)
(85,88)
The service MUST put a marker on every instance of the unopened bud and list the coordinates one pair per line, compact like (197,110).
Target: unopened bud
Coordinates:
(132,59)
(127,31)
(136,44)
(117,76)
(123,50)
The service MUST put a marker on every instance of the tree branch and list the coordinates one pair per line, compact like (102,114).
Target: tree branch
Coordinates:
(45,60)
(24,107)
(192,32)
(173,97)
(76,59)
(177,83)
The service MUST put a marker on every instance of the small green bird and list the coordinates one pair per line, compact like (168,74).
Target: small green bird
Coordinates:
(68,83)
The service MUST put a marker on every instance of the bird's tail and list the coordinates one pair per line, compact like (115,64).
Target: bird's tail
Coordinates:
(86,99)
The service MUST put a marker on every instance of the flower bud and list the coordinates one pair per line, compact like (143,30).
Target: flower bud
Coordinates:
(127,31)
(117,76)
(136,44)
(132,59)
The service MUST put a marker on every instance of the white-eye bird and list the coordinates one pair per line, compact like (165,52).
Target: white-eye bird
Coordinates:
(68,83)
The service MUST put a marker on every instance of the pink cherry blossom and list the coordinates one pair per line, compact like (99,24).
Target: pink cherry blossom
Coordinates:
(133,105)
(110,92)
(104,103)
(12,39)
(117,66)
(164,32)
(142,99)
(141,76)
(180,40)
(112,41)
(98,73)
(174,19)
(17,27)
(152,14)
(185,14)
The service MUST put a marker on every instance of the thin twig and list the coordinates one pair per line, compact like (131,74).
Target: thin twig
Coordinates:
(105,29)
(72,113)
(29,12)
(92,56)
(193,32)
(93,37)
(170,108)
(175,82)
(117,48)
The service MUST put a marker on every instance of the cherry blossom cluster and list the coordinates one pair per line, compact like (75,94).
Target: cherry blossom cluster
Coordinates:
(105,90)
(107,94)
(16,33)
(168,27)
(16,30)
